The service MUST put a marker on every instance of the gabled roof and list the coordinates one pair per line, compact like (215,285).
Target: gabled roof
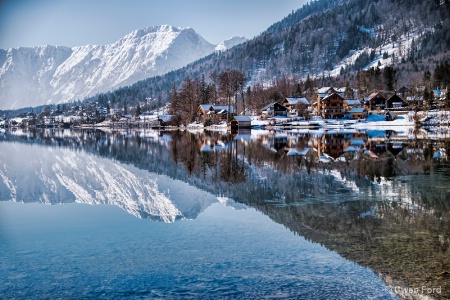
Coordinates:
(268,106)
(294,101)
(217,108)
(223,108)
(395,98)
(332,95)
(326,90)
(205,106)
(376,95)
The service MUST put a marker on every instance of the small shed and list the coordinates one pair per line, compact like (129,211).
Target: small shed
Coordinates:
(241,122)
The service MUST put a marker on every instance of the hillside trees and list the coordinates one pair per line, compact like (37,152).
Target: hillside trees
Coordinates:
(189,100)
(224,88)
(313,40)
(442,75)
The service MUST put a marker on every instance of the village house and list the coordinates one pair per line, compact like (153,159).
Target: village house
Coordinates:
(376,101)
(344,92)
(415,102)
(295,105)
(332,106)
(353,103)
(214,113)
(395,102)
(274,110)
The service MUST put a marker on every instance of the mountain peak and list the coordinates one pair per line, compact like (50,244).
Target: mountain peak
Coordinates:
(155,29)
(230,43)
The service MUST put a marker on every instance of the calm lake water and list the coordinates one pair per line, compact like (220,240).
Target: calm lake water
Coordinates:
(299,214)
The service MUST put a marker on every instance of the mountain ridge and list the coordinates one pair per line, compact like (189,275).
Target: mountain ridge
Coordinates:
(31,76)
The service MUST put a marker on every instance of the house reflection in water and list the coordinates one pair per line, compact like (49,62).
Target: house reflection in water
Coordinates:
(331,144)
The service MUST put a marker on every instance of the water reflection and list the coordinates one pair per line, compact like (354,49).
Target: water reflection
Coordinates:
(378,197)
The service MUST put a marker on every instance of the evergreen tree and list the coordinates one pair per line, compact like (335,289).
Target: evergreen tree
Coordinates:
(390,77)
(138,110)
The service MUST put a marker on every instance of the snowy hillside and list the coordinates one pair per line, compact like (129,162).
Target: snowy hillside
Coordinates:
(51,74)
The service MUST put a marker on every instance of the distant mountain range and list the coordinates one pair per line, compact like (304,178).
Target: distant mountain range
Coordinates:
(55,74)
(324,38)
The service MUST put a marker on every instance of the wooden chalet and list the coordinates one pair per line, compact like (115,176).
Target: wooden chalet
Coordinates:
(331,107)
(395,102)
(292,104)
(376,101)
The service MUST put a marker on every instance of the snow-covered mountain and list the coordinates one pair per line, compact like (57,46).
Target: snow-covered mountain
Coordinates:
(55,74)
(230,43)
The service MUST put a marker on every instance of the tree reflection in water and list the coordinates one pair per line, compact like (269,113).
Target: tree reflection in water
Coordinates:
(378,198)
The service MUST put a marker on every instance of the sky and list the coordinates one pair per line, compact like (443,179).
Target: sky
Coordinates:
(30,23)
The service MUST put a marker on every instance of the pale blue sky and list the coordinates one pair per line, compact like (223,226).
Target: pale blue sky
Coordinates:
(80,22)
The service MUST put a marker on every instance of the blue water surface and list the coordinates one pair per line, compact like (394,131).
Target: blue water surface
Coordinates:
(78,251)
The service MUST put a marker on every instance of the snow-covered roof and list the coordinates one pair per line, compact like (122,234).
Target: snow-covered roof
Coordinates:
(376,94)
(205,106)
(294,101)
(243,118)
(326,90)
(269,106)
(353,102)
(217,108)
(223,107)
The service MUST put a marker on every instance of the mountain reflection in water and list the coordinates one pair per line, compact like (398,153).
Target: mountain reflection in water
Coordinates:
(379,198)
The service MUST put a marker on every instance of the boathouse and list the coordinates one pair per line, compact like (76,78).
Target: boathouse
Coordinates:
(241,122)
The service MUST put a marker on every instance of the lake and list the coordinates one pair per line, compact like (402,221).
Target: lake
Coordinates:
(298,214)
